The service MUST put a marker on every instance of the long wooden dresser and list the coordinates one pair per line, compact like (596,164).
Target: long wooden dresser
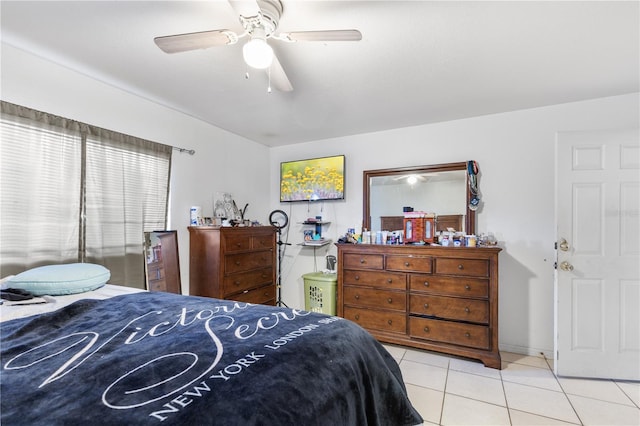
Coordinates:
(236,263)
(442,299)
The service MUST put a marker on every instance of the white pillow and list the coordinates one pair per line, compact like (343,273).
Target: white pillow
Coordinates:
(57,280)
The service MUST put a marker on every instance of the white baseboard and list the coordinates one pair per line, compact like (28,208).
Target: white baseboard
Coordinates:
(524,350)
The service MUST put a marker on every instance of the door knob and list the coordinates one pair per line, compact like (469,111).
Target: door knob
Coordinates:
(566,266)
(563,245)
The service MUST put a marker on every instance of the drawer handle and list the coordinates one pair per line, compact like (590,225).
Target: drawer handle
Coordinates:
(238,245)
(357,296)
(426,283)
(467,287)
(238,262)
(426,306)
(406,264)
(357,316)
(466,310)
(357,277)
(361,260)
(460,266)
(426,329)
(389,322)
(236,282)
(389,300)
(389,280)
(467,335)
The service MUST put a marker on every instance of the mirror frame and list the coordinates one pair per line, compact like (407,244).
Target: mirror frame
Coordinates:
(470,215)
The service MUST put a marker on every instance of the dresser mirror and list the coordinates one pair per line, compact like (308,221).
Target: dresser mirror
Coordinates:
(442,189)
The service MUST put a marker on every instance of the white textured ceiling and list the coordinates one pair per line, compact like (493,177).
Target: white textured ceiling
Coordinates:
(419,62)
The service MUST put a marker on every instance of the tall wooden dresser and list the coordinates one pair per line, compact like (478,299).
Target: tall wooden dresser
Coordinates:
(236,263)
(443,299)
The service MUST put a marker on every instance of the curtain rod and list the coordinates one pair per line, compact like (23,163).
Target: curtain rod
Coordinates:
(188,151)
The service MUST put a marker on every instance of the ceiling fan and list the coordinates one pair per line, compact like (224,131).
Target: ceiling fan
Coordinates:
(259,18)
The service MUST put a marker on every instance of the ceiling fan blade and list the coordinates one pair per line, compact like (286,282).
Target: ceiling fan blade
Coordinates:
(193,41)
(278,77)
(245,8)
(326,35)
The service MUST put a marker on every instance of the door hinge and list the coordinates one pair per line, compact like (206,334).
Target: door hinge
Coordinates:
(555,265)
(555,245)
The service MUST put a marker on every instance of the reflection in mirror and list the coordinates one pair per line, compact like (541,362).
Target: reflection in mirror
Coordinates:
(441,189)
(429,192)
(162,266)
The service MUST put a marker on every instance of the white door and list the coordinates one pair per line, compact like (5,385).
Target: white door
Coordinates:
(598,254)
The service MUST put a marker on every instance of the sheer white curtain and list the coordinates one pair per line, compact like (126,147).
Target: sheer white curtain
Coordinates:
(39,190)
(72,192)
(126,195)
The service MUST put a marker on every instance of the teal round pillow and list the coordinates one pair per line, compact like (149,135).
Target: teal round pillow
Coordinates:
(58,280)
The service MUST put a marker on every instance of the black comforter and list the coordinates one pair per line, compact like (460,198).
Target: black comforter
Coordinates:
(158,358)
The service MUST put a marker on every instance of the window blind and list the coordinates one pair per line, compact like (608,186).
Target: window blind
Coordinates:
(126,195)
(39,193)
(74,192)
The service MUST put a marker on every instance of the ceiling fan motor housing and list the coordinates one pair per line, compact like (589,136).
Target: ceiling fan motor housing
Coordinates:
(268,17)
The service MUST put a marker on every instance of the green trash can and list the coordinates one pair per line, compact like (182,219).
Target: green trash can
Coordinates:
(320,291)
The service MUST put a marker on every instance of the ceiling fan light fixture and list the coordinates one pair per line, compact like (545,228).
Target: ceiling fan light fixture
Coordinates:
(256,52)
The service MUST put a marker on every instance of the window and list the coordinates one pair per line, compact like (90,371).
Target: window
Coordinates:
(72,192)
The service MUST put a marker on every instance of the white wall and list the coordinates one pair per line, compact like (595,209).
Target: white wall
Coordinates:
(516,155)
(515,151)
(223,161)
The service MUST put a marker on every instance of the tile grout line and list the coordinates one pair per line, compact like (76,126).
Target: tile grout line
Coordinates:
(588,397)
(562,388)
(444,392)
(626,394)
(504,394)
(546,365)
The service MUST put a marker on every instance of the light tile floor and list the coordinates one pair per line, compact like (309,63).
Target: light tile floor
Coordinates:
(452,391)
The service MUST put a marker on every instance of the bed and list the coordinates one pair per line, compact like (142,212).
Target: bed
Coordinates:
(160,358)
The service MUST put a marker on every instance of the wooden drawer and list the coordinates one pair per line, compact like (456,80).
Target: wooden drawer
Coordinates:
(233,243)
(262,295)
(261,242)
(155,271)
(465,267)
(409,263)
(246,280)
(368,297)
(375,279)
(363,261)
(454,286)
(470,335)
(157,285)
(455,308)
(371,319)
(247,261)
